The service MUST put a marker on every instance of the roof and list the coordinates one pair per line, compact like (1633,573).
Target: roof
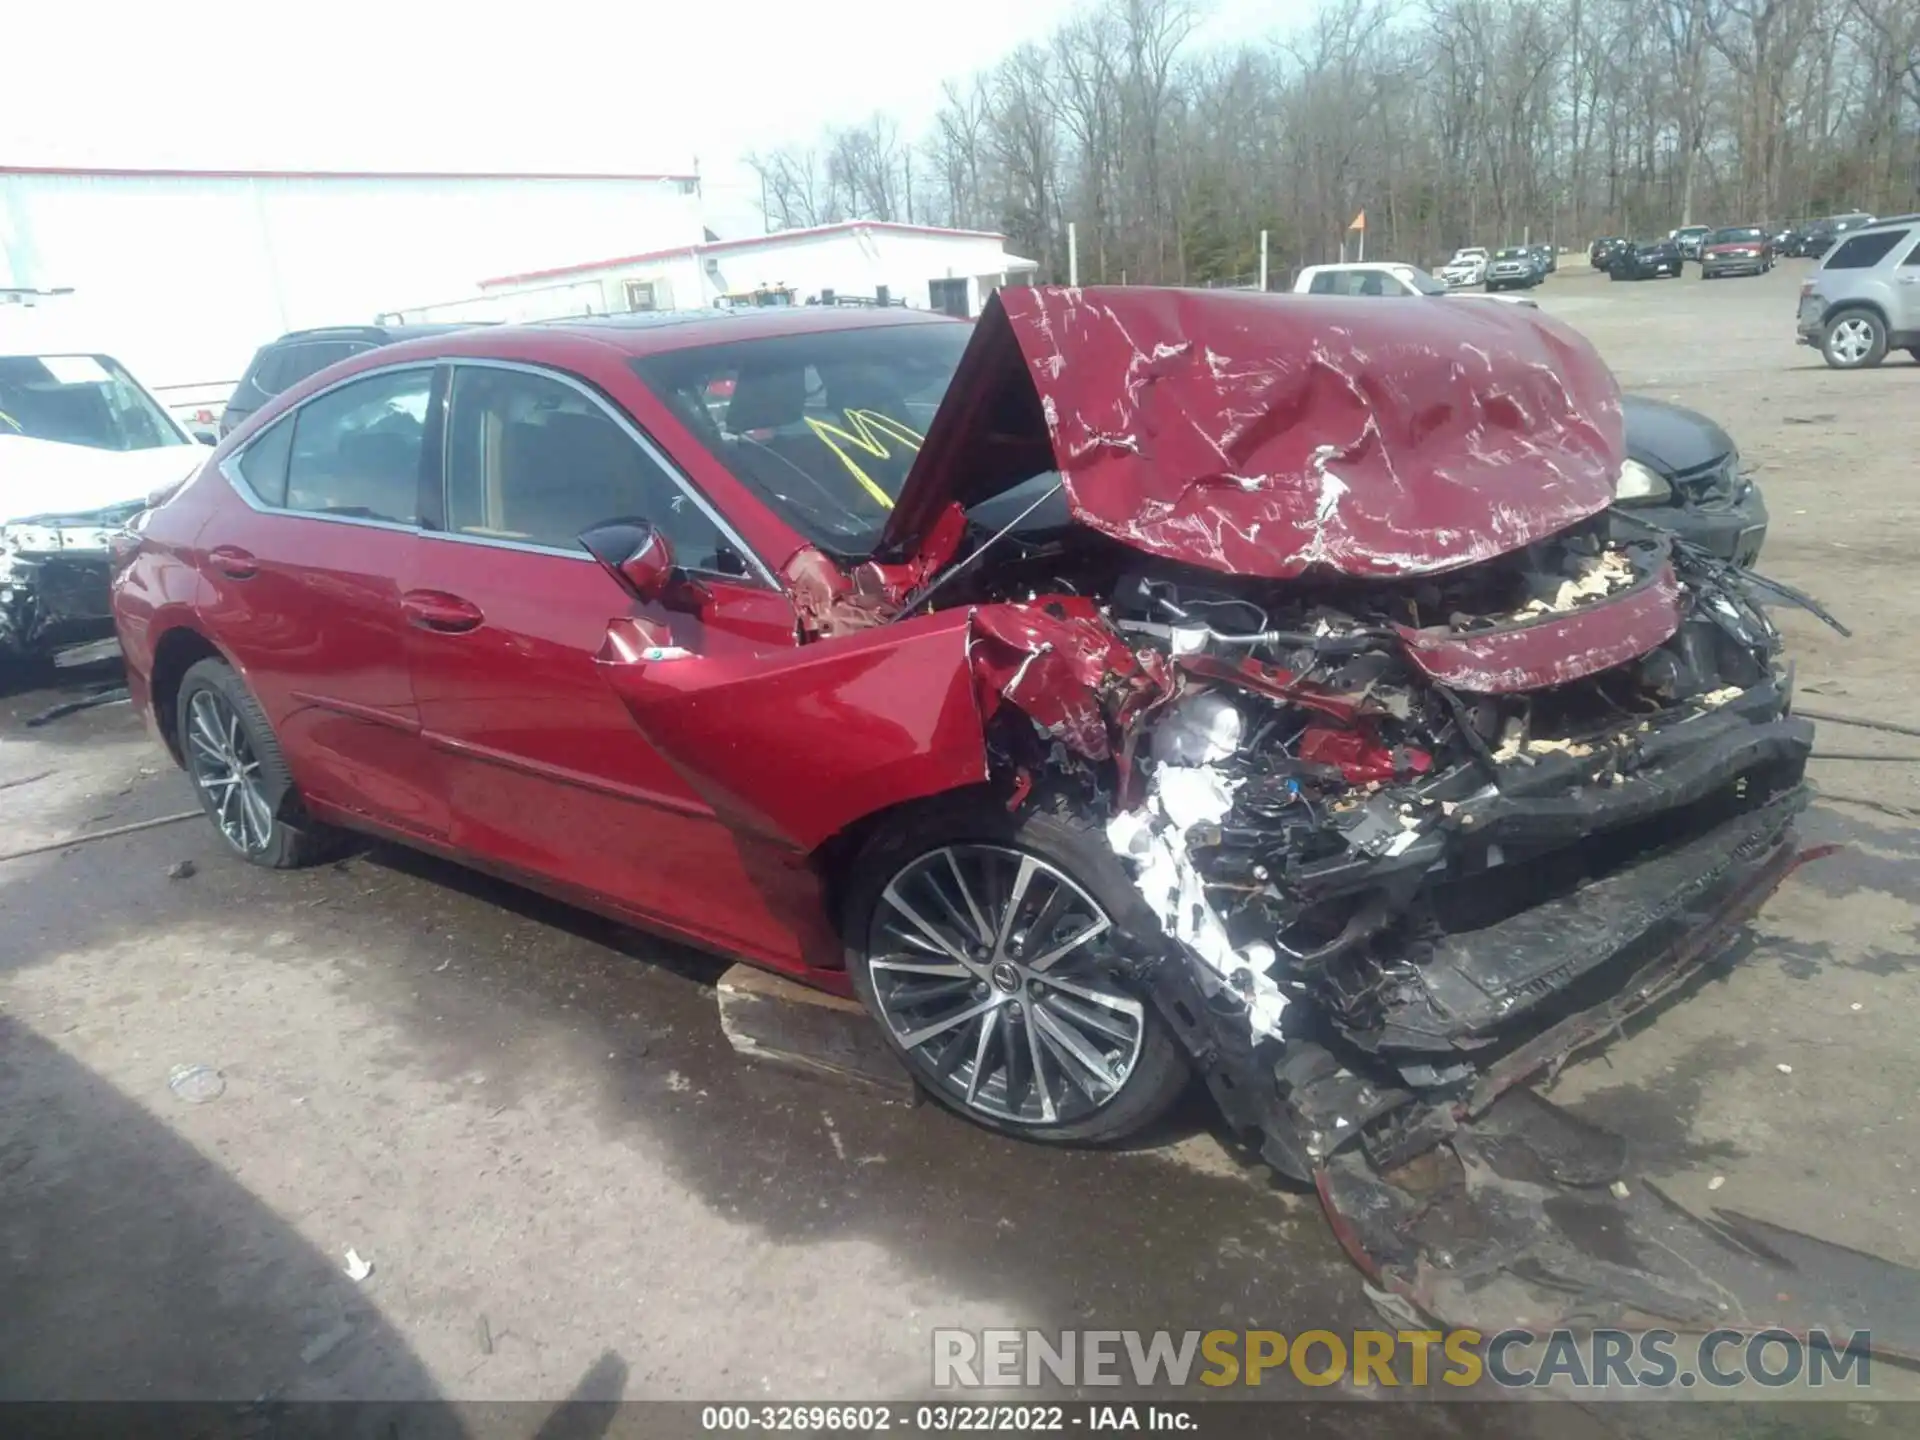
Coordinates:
(162,173)
(712,247)
(649,332)
(383,333)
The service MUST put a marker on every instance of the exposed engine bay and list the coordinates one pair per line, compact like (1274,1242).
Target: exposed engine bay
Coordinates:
(1400,830)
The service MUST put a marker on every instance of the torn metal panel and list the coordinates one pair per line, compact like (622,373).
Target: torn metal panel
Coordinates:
(1268,436)
(830,598)
(1062,664)
(1551,646)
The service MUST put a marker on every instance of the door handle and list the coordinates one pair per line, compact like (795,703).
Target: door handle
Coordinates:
(437,610)
(233,562)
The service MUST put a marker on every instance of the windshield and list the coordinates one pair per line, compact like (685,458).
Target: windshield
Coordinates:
(1511,255)
(80,400)
(823,427)
(1424,283)
(1736,235)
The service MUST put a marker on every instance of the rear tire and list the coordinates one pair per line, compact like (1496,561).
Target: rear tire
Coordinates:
(1854,340)
(237,770)
(1004,1013)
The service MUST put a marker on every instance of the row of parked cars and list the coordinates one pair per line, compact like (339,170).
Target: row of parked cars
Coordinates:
(1722,250)
(1729,250)
(1517,267)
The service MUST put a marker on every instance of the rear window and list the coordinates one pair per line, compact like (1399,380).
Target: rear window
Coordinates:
(283,366)
(1862,252)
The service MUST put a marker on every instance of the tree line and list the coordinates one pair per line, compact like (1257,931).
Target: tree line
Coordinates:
(1448,122)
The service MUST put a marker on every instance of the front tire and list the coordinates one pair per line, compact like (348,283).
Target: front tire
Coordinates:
(1854,340)
(985,946)
(240,775)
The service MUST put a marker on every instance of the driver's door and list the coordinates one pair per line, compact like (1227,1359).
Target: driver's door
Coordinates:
(543,768)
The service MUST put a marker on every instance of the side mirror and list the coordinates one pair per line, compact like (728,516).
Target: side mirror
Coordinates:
(206,437)
(636,555)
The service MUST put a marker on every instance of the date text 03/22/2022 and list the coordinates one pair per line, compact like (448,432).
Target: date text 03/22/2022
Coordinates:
(948,1418)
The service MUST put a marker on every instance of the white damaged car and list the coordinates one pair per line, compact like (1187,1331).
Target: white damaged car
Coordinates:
(83,445)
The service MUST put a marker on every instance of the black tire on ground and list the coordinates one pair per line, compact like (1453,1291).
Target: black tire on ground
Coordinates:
(1914,352)
(292,839)
(1160,1072)
(1854,339)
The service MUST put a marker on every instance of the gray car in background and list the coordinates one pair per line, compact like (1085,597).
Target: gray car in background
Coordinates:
(1864,300)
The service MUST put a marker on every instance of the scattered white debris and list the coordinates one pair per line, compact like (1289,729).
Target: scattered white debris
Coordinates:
(1153,839)
(1713,699)
(1596,577)
(1784,1068)
(1619,1190)
(1512,739)
(1200,730)
(196,1084)
(1716,1182)
(358,1267)
(325,1344)
(678,1083)
(1857,1006)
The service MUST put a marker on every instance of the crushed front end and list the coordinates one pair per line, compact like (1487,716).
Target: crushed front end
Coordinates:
(1417,840)
(54,580)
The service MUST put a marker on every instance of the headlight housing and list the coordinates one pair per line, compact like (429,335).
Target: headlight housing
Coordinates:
(1638,485)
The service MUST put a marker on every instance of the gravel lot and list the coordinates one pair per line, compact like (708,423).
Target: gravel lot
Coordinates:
(528,1121)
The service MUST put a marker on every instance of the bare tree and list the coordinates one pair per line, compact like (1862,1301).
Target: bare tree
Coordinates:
(1448,121)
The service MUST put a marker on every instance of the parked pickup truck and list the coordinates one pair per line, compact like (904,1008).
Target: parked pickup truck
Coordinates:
(1385,277)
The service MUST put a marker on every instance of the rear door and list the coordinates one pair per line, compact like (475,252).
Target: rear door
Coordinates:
(303,590)
(1906,291)
(510,626)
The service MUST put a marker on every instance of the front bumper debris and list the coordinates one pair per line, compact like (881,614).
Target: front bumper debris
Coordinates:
(55,578)
(1527,1211)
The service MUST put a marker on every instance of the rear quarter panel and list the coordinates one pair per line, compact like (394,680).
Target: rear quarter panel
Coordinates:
(160,588)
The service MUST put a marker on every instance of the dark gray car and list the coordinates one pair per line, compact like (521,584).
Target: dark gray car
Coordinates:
(1683,474)
(299,353)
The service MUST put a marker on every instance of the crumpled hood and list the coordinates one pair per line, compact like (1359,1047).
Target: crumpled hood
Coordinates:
(1270,435)
(46,477)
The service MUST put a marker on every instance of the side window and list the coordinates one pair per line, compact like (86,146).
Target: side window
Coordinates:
(1913,256)
(356,450)
(1323,283)
(1863,252)
(263,464)
(532,459)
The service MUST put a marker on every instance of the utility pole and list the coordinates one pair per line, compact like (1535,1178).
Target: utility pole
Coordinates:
(1073,254)
(1263,262)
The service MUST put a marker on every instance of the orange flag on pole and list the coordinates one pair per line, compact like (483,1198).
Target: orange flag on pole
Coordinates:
(1359,221)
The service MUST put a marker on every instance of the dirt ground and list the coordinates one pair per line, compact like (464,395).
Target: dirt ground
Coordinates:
(528,1121)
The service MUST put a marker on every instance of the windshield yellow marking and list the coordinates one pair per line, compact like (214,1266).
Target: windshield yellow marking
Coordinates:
(871,430)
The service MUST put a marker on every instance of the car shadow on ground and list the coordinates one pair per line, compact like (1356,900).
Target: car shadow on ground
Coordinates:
(134,1268)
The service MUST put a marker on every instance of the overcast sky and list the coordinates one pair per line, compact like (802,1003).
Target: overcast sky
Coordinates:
(564,85)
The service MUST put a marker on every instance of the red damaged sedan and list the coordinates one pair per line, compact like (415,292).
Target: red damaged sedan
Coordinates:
(1133,684)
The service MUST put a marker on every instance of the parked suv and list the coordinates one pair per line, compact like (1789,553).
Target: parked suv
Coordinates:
(1865,298)
(299,353)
